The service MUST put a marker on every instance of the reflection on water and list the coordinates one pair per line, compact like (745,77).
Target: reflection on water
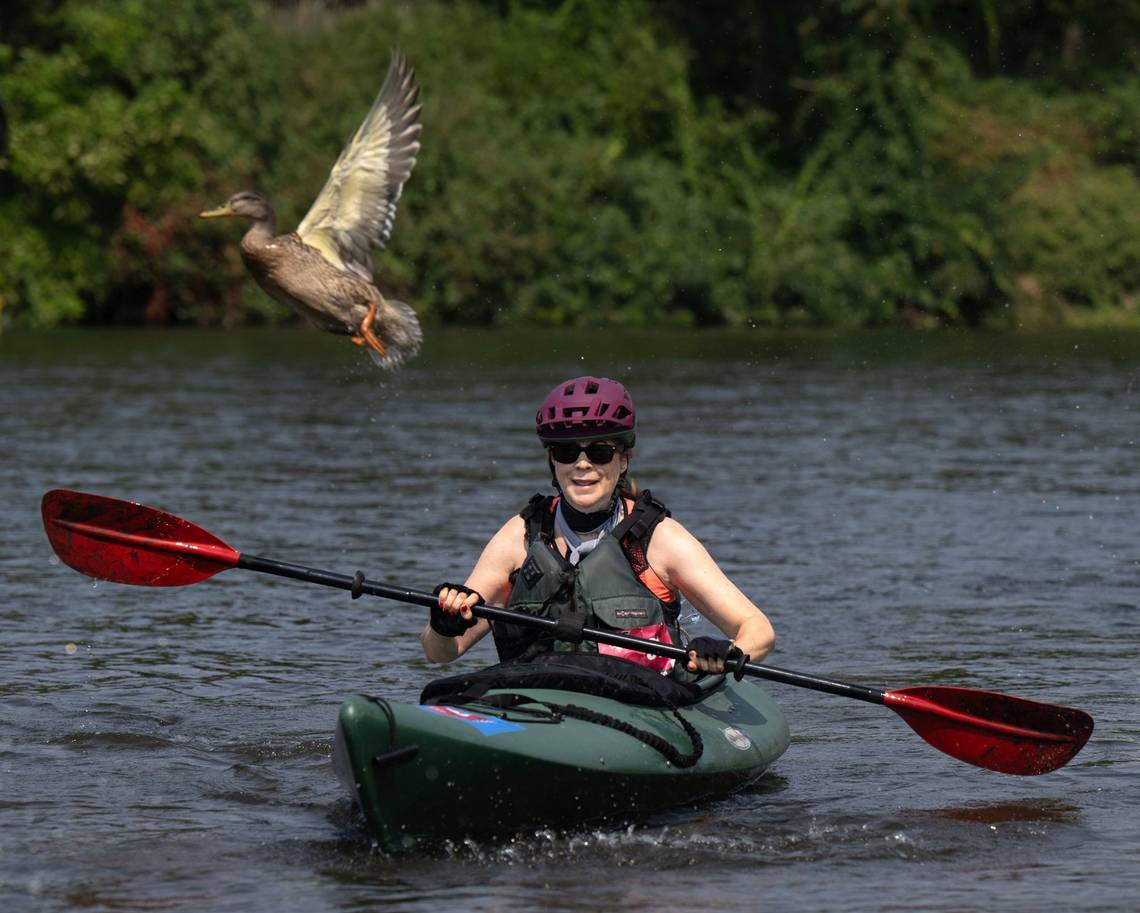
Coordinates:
(909,509)
(1032,810)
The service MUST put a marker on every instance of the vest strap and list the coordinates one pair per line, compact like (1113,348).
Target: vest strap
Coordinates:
(643,519)
(570,626)
(536,503)
(535,515)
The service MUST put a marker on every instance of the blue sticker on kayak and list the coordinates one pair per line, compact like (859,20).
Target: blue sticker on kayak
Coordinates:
(488,725)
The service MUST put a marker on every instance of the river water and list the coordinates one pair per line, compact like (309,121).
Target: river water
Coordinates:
(912,509)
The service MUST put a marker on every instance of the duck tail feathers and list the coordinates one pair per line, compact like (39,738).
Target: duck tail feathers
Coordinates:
(401,333)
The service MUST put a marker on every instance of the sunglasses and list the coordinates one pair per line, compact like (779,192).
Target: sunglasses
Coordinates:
(597,453)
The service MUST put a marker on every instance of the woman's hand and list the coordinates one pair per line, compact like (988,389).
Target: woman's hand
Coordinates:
(452,615)
(713,655)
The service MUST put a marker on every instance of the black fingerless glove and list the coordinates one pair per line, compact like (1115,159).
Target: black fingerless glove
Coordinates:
(448,625)
(725,650)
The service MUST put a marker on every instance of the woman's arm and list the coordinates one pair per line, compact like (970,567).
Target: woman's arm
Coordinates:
(685,565)
(490,578)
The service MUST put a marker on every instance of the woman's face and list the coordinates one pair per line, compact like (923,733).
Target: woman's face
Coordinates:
(588,486)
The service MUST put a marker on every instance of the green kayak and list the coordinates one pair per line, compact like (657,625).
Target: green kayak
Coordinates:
(514,758)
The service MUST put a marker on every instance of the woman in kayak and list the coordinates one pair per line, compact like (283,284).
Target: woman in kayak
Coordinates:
(599,553)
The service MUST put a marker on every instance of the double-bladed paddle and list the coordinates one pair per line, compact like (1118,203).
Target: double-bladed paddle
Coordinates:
(125,542)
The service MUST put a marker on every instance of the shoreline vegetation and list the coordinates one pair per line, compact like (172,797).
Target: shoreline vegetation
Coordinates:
(835,163)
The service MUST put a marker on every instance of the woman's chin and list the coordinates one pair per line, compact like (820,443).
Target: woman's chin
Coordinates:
(586,501)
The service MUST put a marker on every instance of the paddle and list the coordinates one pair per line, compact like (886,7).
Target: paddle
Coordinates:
(125,542)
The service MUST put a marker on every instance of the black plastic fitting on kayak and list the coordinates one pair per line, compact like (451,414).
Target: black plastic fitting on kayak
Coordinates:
(357,585)
(396,756)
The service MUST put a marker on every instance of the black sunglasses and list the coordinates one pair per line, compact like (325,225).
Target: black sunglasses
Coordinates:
(597,453)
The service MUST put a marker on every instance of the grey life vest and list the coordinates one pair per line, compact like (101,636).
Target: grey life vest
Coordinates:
(609,586)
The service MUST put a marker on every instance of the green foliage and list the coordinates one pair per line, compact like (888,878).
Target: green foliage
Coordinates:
(553,185)
(872,228)
(121,115)
(1076,240)
(850,162)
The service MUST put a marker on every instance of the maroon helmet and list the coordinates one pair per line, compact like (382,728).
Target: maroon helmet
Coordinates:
(587,409)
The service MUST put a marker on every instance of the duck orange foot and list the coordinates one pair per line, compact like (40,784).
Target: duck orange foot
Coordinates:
(367,337)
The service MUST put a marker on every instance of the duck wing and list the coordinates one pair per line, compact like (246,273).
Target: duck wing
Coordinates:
(356,208)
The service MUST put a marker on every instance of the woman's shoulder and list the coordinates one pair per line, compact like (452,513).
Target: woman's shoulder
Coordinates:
(671,529)
(515,524)
(672,549)
(506,547)
(672,540)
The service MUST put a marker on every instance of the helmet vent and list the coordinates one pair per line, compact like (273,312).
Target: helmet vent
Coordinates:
(591,387)
(621,412)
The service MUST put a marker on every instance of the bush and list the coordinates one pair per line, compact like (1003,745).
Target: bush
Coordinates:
(121,116)
(898,166)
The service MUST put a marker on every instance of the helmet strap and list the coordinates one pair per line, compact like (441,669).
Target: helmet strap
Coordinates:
(553,475)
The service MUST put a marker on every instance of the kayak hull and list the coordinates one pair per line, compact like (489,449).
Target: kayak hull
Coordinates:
(430,773)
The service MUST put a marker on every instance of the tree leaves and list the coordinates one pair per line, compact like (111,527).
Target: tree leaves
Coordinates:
(851,162)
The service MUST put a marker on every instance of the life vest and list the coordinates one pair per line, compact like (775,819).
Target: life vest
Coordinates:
(613,586)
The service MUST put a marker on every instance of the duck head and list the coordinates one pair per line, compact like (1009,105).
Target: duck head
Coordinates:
(248,204)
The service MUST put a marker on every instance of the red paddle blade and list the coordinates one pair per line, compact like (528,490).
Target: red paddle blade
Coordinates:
(125,542)
(1008,734)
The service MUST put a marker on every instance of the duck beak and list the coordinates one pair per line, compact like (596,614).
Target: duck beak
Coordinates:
(217,213)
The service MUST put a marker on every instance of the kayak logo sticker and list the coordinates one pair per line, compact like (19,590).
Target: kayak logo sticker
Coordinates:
(737,739)
(487,725)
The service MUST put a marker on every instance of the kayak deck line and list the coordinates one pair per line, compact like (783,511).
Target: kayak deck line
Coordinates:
(561,711)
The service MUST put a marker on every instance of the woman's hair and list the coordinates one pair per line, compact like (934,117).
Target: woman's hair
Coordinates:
(627,485)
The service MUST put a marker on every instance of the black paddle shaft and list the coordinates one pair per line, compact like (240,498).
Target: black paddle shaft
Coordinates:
(357,585)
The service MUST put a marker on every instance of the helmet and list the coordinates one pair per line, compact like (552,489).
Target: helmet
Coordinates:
(587,409)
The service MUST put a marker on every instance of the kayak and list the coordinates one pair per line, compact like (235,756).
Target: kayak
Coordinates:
(519,757)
